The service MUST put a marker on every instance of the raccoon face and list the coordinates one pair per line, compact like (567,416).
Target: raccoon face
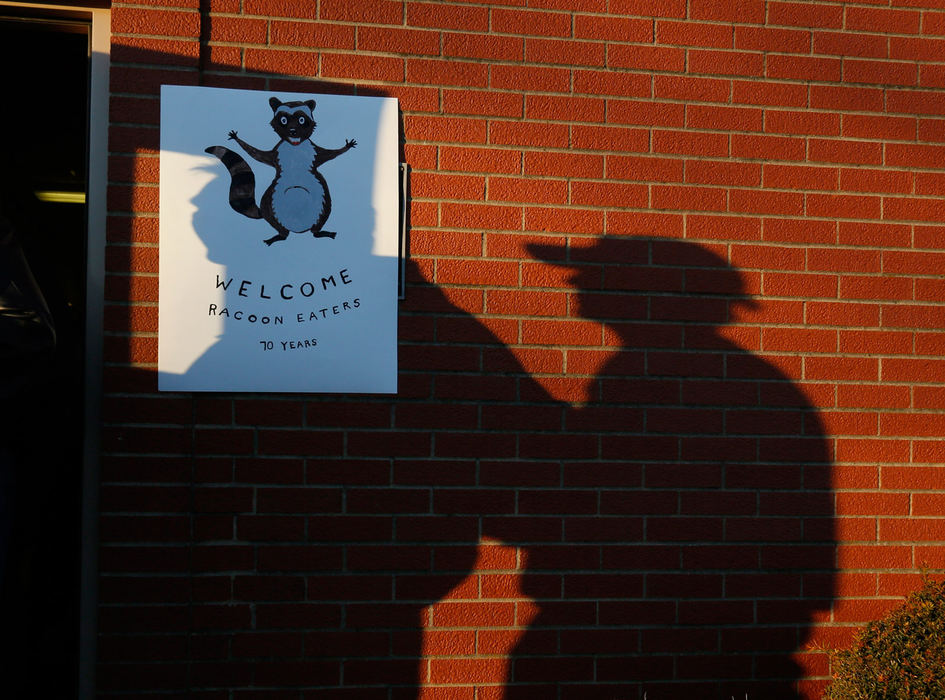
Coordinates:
(292,121)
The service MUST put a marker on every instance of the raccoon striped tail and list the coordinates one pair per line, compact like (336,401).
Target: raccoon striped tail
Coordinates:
(242,183)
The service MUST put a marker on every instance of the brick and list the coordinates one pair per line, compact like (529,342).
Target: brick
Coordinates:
(455,186)
(387,39)
(283,442)
(840,205)
(561,332)
(478,216)
(875,342)
(799,177)
(564,220)
(911,316)
(693,89)
(606,138)
(841,369)
(609,194)
(643,223)
(557,108)
(564,52)
(693,34)
(517,246)
(724,227)
(914,48)
(699,199)
(876,180)
(140,199)
(599,82)
(805,68)
(766,202)
(495,48)
(911,529)
(734,63)
(531,23)
(927,451)
(933,23)
(929,184)
(182,53)
(928,343)
(724,118)
(483,160)
(841,151)
(443,243)
(383,12)
(644,168)
(566,164)
(429,71)
(897,73)
(746,11)
(527,190)
(792,122)
(914,155)
(645,8)
(647,58)
(767,38)
(931,76)
(848,44)
(912,370)
(439,16)
(836,97)
(875,19)
(915,102)
(929,290)
(245,30)
(531,78)
(613,27)
(874,556)
(800,14)
(871,234)
(765,147)
(863,610)
(503,133)
(162,22)
(873,396)
(799,340)
(846,423)
(927,237)
(913,209)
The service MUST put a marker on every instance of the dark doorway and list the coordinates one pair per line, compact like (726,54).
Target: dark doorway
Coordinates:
(44,163)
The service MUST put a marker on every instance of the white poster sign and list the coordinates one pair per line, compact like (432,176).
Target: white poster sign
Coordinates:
(279,242)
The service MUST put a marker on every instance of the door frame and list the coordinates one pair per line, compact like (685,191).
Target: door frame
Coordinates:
(99,17)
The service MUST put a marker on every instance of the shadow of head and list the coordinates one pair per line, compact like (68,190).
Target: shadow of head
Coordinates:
(621,278)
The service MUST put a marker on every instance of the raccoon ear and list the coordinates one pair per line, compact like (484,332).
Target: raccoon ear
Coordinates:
(310,104)
(274,103)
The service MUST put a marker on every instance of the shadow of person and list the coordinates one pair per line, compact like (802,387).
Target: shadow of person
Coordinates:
(676,527)
(692,542)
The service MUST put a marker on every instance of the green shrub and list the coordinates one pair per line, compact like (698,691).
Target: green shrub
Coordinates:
(900,657)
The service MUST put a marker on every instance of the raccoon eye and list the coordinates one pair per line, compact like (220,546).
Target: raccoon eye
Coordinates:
(284,121)
(301,120)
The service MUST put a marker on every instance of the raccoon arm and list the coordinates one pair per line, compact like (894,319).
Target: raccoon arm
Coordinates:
(267,157)
(323,155)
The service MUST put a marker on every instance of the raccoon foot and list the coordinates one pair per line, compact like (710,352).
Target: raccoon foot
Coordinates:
(277,237)
(324,234)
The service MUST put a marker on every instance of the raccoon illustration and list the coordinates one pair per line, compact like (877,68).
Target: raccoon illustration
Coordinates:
(297,200)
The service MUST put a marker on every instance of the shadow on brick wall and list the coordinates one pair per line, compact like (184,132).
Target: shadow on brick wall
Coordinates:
(672,535)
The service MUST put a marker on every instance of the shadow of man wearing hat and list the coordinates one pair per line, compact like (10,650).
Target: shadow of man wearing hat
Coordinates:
(692,542)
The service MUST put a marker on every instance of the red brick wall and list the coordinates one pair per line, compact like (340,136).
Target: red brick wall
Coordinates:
(683,459)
